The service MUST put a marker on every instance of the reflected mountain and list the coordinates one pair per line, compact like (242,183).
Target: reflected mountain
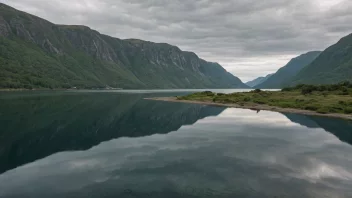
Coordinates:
(342,129)
(33,127)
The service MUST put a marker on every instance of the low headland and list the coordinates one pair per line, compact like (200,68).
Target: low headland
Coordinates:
(322,100)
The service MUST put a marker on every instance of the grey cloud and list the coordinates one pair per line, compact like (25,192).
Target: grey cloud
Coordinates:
(220,31)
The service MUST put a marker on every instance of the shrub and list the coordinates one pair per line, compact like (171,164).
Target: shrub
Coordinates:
(227,100)
(325,93)
(207,93)
(28,87)
(220,94)
(247,99)
(259,102)
(300,100)
(345,83)
(336,108)
(321,88)
(287,89)
(323,110)
(299,86)
(311,108)
(256,91)
(342,102)
(348,110)
(66,86)
(344,91)
(306,90)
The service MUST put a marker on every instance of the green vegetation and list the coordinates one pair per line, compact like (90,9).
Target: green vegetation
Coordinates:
(336,98)
(24,65)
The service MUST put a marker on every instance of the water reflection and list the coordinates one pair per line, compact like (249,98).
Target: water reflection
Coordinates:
(235,153)
(342,129)
(36,126)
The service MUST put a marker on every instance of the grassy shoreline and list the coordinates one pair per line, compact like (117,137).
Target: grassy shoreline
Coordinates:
(44,89)
(326,100)
(47,89)
(255,107)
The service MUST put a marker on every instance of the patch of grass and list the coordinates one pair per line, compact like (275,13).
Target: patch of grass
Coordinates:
(323,110)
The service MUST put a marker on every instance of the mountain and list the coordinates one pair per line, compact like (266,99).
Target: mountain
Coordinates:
(332,66)
(284,75)
(37,53)
(257,81)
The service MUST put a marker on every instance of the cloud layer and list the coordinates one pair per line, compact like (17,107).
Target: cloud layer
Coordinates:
(248,37)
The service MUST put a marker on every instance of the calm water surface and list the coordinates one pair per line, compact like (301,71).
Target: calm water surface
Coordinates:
(115,144)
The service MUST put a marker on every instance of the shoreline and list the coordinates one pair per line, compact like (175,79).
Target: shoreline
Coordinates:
(15,90)
(255,107)
(59,89)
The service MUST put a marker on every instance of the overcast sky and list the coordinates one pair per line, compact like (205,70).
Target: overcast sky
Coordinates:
(250,38)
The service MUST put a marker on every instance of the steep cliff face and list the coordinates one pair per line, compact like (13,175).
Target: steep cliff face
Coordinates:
(37,53)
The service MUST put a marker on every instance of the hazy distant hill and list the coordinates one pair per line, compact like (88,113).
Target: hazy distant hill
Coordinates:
(37,53)
(332,66)
(258,80)
(285,74)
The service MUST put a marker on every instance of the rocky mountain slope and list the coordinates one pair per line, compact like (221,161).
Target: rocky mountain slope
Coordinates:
(285,74)
(35,53)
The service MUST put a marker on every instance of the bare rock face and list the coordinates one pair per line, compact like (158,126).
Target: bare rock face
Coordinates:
(20,29)
(47,45)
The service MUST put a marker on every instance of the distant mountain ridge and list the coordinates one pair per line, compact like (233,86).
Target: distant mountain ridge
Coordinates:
(332,66)
(258,80)
(285,74)
(35,53)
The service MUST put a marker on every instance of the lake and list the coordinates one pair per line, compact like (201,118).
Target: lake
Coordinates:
(116,144)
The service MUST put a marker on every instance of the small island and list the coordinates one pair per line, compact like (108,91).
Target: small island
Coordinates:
(324,100)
